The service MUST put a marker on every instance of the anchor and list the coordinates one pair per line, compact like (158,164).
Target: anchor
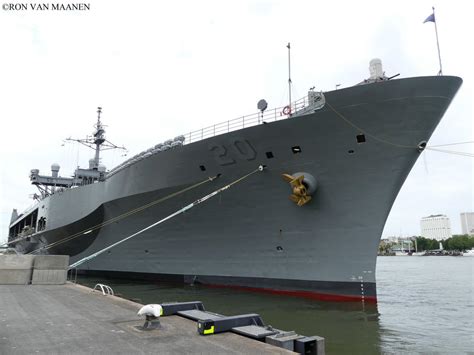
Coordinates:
(300,192)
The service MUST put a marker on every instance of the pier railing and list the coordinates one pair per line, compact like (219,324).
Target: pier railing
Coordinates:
(276,114)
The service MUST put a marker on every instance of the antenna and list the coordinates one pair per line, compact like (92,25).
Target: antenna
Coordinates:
(289,75)
(97,141)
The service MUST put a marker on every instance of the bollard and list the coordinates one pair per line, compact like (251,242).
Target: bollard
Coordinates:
(225,324)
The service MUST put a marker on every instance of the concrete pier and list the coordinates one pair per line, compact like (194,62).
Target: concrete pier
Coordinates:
(16,269)
(33,269)
(72,319)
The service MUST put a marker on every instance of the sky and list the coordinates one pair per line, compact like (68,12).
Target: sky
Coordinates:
(159,69)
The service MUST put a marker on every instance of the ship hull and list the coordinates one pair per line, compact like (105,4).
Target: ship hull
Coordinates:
(252,235)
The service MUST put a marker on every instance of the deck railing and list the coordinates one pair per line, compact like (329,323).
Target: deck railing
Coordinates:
(297,108)
(276,114)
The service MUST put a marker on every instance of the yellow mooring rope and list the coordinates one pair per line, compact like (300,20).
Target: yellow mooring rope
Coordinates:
(122,216)
(182,210)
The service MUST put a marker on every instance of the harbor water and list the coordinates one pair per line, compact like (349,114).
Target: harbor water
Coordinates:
(425,305)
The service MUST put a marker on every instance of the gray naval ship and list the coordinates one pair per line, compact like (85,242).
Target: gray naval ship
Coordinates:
(307,223)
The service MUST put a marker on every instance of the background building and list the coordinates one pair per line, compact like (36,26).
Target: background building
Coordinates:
(467,223)
(436,227)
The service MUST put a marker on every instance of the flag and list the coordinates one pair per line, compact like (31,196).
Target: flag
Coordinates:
(430,18)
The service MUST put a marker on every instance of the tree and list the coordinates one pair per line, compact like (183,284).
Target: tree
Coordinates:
(459,242)
(426,244)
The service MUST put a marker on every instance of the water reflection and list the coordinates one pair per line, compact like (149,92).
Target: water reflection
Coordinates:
(349,327)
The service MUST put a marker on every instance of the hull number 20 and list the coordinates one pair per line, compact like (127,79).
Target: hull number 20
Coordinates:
(237,149)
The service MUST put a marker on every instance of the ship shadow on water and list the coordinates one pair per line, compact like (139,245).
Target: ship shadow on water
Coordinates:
(348,327)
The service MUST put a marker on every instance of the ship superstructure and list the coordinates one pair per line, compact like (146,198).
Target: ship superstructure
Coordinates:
(24,225)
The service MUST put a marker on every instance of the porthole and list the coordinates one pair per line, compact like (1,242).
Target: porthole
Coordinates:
(360,138)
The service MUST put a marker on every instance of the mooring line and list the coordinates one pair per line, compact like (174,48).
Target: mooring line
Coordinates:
(182,210)
(430,147)
(465,154)
(340,115)
(122,216)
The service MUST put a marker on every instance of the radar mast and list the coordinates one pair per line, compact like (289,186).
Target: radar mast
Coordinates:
(97,142)
(47,184)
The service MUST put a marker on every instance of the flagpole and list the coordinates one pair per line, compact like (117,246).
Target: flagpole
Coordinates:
(289,76)
(437,43)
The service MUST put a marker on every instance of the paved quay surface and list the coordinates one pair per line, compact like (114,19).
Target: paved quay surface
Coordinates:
(71,319)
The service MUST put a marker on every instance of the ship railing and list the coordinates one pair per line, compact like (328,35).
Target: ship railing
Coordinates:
(297,108)
(276,114)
